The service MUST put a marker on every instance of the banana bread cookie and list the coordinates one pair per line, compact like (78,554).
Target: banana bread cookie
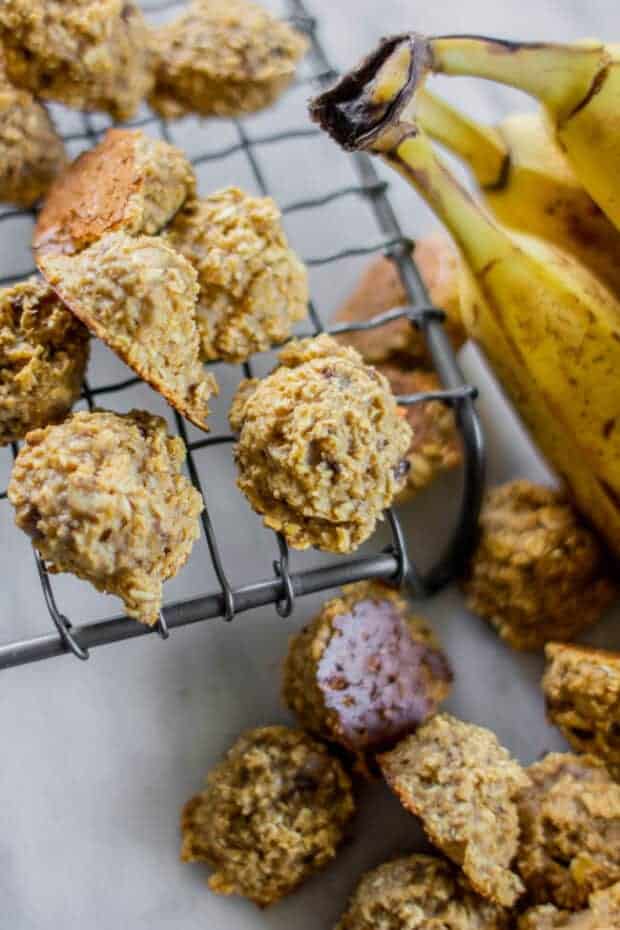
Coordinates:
(419,892)
(322,446)
(43,357)
(538,573)
(253,287)
(582,693)
(602,913)
(102,496)
(89,54)
(129,182)
(274,811)
(570,830)
(462,784)
(139,296)
(366,671)
(223,58)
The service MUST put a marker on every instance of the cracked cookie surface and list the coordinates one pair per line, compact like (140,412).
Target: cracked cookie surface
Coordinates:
(602,913)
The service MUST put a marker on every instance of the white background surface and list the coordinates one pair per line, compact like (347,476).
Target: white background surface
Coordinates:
(97,758)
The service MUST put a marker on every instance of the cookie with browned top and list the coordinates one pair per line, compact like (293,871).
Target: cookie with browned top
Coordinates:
(602,913)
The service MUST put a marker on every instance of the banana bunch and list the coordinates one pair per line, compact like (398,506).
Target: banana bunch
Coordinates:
(548,325)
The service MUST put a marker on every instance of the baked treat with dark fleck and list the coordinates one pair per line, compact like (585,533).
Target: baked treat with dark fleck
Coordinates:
(570,830)
(366,671)
(253,287)
(129,183)
(380,289)
(582,694)
(538,573)
(462,784)
(102,496)
(602,913)
(273,812)
(419,892)
(139,296)
(88,54)
(322,445)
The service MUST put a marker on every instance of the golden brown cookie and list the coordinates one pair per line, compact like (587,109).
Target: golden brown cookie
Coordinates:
(274,811)
(102,496)
(538,573)
(602,913)
(462,784)
(128,183)
(253,287)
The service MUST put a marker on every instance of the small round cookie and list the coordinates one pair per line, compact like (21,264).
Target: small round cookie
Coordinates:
(462,784)
(602,913)
(321,451)
(416,893)
(253,287)
(139,296)
(366,671)
(223,58)
(538,573)
(274,811)
(570,830)
(102,496)
(88,54)
(380,289)
(43,357)
(129,182)
(582,694)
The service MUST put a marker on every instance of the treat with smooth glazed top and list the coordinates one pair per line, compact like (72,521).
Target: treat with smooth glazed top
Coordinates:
(582,694)
(129,182)
(538,573)
(570,830)
(274,811)
(102,496)
(253,287)
(223,58)
(321,450)
(43,357)
(88,54)
(366,671)
(602,913)
(462,784)
(139,296)
(419,892)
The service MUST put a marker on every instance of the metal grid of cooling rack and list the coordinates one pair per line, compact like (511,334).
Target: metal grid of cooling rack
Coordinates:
(392,563)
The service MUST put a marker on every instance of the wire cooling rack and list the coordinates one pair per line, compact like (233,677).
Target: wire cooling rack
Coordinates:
(393,562)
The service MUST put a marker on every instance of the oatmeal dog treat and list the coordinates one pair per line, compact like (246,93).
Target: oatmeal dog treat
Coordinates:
(223,58)
(582,692)
(416,893)
(322,446)
(274,811)
(381,289)
(43,357)
(103,497)
(462,785)
(435,444)
(253,287)
(602,913)
(139,296)
(89,54)
(366,671)
(128,183)
(570,829)
(538,574)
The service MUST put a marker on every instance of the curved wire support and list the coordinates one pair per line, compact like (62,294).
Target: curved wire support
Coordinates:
(286,605)
(162,627)
(62,623)
(405,571)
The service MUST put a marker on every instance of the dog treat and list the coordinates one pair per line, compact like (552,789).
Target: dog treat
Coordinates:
(102,496)
(223,58)
(462,784)
(253,287)
(602,913)
(322,446)
(366,671)
(43,357)
(538,574)
(274,811)
(416,893)
(128,183)
(139,296)
(570,830)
